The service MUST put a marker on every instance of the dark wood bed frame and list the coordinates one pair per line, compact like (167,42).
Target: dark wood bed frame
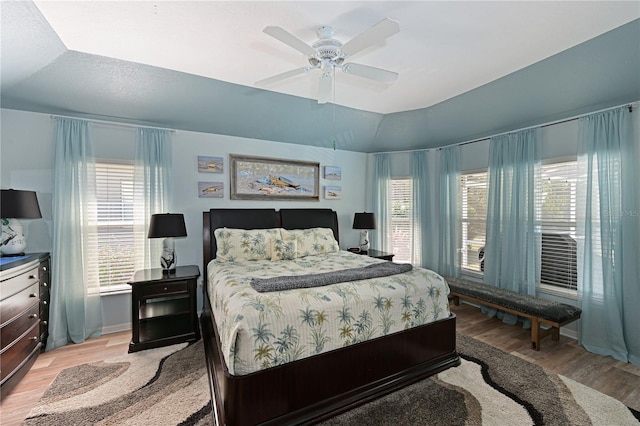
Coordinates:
(313,389)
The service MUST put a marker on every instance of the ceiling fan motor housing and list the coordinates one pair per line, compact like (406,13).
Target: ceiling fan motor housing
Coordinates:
(327,48)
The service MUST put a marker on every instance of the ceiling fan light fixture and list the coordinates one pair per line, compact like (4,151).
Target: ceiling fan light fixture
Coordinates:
(327,53)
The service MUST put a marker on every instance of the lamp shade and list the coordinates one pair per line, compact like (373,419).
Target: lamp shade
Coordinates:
(364,221)
(19,204)
(167,225)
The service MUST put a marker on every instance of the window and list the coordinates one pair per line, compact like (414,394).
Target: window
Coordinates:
(557,204)
(556,213)
(116,238)
(472,204)
(402,219)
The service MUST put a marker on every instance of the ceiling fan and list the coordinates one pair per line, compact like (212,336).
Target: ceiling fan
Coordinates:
(327,54)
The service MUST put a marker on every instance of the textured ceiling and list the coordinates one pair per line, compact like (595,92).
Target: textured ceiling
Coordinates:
(443,49)
(467,69)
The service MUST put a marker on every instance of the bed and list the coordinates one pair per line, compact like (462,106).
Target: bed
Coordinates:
(309,388)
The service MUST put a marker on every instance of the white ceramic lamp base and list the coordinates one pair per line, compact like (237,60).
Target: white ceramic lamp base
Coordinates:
(168,257)
(364,240)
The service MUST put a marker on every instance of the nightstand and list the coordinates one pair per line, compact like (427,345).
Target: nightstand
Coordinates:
(163,307)
(379,254)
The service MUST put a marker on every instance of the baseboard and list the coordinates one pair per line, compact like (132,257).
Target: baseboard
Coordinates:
(116,328)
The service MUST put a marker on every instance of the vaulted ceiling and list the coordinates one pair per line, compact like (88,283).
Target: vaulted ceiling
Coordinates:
(466,69)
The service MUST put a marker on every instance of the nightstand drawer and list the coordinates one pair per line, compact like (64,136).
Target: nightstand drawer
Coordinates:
(161,289)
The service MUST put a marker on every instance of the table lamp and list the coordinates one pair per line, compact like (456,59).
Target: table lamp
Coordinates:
(167,226)
(364,222)
(16,204)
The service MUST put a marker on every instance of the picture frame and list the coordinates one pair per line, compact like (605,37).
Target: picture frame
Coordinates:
(210,189)
(332,173)
(263,178)
(208,164)
(332,192)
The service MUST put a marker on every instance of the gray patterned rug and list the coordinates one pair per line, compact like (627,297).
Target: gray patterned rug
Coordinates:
(164,386)
(169,386)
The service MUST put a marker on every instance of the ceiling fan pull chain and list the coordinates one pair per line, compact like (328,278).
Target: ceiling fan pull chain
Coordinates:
(334,108)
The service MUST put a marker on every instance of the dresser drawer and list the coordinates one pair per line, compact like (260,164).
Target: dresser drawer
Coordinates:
(13,306)
(16,328)
(18,283)
(15,354)
(160,289)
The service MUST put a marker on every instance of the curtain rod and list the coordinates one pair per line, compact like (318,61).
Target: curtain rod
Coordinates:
(486,138)
(111,123)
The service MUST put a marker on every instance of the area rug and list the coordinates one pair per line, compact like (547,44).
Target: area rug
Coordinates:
(164,386)
(169,386)
(493,388)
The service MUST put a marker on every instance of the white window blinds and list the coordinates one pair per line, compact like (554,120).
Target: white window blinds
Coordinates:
(557,206)
(115,200)
(472,204)
(401,193)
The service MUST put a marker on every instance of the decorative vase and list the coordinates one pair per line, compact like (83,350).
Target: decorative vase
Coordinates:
(168,257)
(13,241)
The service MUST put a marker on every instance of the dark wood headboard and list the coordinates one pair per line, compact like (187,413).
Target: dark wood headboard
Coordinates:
(261,219)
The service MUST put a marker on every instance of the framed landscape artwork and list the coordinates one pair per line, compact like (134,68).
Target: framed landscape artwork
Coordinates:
(210,189)
(332,192)
(210,164)
(261,178)
(332,172)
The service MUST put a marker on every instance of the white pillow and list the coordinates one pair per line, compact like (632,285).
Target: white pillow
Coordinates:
(283,250)
(311,241)
(244,244)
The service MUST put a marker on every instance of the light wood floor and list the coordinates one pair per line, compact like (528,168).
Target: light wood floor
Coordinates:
(619,380)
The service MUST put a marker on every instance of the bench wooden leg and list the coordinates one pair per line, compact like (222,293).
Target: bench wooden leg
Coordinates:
(456,300)
(535,334)
(555,334)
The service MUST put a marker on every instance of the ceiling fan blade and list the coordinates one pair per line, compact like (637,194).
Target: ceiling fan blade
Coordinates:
(289,39)
(325,87)
(372,73)
(281,76)
(383,29)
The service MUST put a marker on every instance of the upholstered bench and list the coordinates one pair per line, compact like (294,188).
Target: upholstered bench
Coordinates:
(539,311)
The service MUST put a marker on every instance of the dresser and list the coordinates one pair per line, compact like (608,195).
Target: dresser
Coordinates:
(24,314)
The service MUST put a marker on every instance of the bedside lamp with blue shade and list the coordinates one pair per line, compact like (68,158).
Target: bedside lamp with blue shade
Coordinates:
(16,204)
(167,226)
(364,222)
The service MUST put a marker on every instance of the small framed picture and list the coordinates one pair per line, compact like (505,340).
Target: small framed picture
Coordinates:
(210,189)
(332,172)
(210,164)
(332,192)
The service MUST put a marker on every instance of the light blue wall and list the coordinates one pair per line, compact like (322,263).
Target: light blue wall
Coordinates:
(26,159)
(559,141)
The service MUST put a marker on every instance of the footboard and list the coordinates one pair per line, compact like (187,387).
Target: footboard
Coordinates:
(312,389)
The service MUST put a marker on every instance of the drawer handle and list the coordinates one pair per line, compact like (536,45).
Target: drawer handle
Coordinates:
(32,316)
(44,322)
(33,295)
(44,302)
(34,338)
(44,268)
(165,289)
(32,277)
(45,284)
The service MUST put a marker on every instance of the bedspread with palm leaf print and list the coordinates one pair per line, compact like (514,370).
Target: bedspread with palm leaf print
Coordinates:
(262,330)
